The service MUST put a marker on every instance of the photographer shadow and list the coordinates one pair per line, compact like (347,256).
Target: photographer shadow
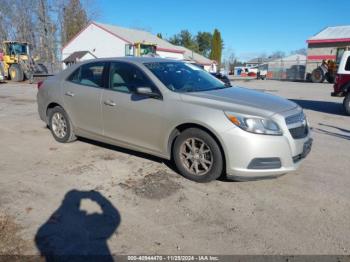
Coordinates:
(72,234)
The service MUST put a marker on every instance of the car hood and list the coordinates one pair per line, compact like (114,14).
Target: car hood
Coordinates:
(241,100)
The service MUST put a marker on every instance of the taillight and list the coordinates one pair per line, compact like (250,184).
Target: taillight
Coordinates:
(40,84)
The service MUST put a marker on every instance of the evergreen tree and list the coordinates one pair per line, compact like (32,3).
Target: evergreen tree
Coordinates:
(216,47)
(159,35)
(74,20)
(204,40)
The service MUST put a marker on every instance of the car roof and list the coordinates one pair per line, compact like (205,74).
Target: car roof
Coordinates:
(133,59)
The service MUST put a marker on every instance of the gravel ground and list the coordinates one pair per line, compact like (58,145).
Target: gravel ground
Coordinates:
(90,196)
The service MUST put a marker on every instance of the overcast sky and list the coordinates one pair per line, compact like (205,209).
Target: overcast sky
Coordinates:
(248,28)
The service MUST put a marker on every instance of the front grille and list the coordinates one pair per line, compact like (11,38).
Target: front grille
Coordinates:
(299,132)
(297,125)
(298,118)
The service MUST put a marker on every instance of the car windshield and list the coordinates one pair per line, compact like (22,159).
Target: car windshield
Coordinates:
(184,77)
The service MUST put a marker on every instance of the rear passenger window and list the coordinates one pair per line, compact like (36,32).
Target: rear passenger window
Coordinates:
(347,65)
(89,75)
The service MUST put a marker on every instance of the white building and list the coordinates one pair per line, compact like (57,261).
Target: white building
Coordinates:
(102,41)
(193,57)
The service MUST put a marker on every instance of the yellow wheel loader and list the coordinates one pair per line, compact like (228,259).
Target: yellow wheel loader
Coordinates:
(19,64)
(141,49)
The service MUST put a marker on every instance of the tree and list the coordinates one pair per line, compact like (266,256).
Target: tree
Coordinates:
(23,21)
(188,41)
(204,40)
(6,26)
(277,54)
(216,47)
(232,62)
(74,20)
(46,33)
(159,35)
(301,51)
(184,38)
(175,40)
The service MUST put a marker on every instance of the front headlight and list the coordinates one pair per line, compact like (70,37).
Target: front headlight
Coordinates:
(255,125)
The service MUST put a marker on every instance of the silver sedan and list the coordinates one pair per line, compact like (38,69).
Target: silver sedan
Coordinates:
(177,111)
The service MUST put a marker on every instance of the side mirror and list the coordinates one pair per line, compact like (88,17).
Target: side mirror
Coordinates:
(147,91)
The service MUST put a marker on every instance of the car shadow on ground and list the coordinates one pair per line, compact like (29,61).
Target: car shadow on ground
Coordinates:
(72,234)
(335,127)
(321,106)
(170,164)
(345,136)
(166,162)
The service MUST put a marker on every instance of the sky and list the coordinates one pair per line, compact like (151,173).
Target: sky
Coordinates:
(248,28)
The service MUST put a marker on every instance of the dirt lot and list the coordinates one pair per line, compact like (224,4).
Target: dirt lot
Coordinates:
(144,207)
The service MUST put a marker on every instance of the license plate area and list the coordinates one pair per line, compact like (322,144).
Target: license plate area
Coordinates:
(306,150)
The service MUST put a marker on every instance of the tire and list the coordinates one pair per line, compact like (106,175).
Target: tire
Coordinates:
(182,147)
(346,104)
(16,73)
(317,76)
(67,135)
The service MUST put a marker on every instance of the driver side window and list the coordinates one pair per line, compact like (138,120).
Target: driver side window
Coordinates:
(126,78)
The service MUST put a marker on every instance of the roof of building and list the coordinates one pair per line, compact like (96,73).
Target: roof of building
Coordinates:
(134,36)
(258,60)
(332,34)
(292,58)
(76,56)
(191,55)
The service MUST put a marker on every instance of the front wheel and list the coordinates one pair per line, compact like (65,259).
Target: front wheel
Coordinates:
(198,156)
(346,104)
(317,76)
(60,125)
(16,73)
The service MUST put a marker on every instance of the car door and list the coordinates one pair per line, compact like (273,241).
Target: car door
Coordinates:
(82,93)
(127,117)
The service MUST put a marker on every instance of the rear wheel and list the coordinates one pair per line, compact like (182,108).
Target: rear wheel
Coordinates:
(346,104)
(317,76)
(60,125)
(16,73)
(198,156)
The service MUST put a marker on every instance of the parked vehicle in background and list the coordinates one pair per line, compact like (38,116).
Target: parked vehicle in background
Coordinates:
(19,64)
(342,81)
(262,71)
(327,70)
(224,78)
(178,111)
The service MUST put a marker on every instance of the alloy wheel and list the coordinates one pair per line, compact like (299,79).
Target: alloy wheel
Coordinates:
(196,156)
(59,125)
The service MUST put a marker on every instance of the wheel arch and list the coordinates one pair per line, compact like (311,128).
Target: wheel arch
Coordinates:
(182,127)
(346,88)
(50,106)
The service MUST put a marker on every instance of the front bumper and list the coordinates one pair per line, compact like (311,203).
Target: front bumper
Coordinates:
(283,153)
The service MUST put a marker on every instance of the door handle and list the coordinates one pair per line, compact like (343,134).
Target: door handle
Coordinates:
(69,94)
(109,103)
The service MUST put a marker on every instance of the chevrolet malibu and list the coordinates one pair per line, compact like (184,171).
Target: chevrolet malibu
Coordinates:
(176,111)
